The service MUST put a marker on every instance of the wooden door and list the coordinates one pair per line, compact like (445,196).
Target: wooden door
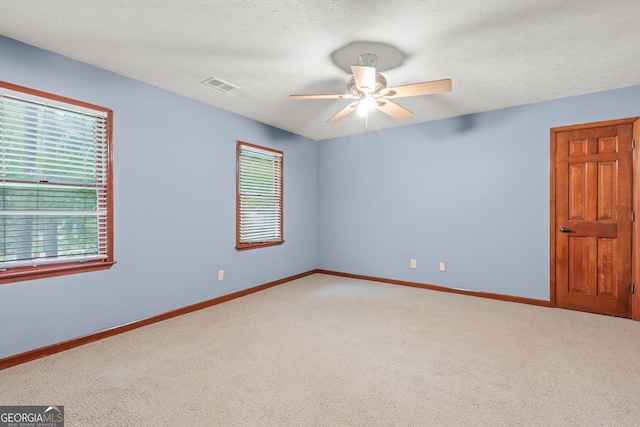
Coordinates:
(593,217)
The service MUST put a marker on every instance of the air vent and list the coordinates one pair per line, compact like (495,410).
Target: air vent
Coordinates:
(219,84)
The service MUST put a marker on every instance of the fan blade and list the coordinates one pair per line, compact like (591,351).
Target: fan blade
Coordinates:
(323,96)
(344,112)
(365,78)
(393,109)
(426,88)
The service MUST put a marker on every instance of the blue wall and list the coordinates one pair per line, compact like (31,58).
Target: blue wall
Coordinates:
(470,191)
(174,208)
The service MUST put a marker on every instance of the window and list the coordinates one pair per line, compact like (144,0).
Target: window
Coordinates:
(55,185)
(259,196)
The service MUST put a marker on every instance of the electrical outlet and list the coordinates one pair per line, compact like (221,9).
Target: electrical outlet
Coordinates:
(443,267)
(413,263)
(220,274)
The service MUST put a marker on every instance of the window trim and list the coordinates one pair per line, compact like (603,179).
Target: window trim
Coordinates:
(242,246)
(63,268)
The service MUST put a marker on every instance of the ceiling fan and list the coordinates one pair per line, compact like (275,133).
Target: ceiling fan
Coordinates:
(370,91)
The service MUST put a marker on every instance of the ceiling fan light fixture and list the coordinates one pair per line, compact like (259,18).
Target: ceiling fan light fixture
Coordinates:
(367,104)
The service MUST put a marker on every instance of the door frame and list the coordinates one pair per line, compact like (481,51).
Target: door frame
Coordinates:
(635,229)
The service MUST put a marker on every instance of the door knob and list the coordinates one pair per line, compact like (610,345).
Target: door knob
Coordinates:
(564,230)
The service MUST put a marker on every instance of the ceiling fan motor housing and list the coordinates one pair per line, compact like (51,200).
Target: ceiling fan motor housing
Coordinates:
(381,83)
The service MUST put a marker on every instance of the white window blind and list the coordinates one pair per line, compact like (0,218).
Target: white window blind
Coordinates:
(259,195)
(53,182)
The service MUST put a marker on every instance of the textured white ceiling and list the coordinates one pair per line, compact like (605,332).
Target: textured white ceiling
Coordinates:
(498,53)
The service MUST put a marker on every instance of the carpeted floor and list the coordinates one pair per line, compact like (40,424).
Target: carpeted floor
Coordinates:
(330,351)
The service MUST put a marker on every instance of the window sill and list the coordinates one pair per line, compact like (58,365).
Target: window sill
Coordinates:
(248,246)
(30,273)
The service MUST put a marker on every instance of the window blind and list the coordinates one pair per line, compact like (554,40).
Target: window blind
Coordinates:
(53,182)
(260,195)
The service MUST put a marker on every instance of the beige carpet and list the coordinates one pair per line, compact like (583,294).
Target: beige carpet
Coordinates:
(330,351)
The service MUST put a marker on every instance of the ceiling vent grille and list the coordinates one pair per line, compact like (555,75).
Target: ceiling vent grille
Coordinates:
(219,84)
